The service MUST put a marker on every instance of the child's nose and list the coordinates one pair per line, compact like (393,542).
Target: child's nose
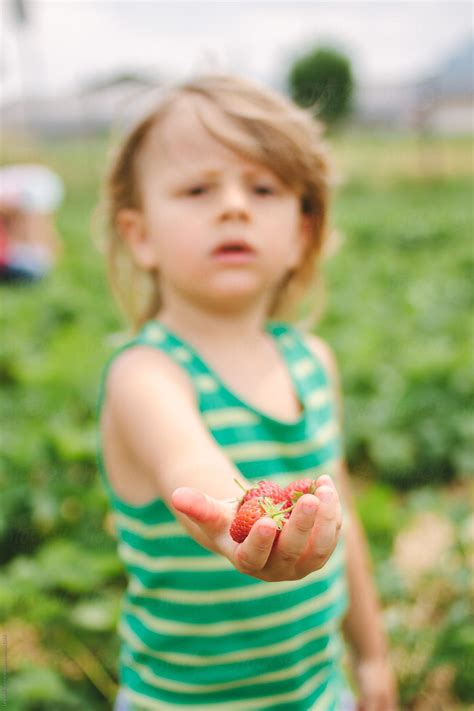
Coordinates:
(234,202)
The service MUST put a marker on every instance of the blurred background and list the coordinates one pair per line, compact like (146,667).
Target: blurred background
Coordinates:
(394,84)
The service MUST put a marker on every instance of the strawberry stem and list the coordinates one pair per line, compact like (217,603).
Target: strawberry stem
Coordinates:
(241,485)
(274,511)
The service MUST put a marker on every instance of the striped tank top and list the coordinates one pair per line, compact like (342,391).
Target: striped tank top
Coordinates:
(195,632)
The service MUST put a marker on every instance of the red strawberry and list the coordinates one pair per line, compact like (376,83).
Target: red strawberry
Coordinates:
(297,488)
(251,511)
(269,489)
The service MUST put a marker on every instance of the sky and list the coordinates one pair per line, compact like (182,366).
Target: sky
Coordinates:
(69,43)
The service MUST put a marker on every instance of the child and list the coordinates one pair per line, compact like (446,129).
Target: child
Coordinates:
(217,207)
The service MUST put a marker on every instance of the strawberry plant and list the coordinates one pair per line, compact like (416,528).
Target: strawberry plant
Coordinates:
(399,299)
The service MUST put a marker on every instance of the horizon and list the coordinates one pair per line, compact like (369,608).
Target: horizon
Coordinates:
(256,39)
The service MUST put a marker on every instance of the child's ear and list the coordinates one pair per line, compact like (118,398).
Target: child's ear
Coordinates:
(131,227)
(306,230)
(303,238)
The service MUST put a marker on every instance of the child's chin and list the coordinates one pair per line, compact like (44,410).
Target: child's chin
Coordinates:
(234,285)
(234,298)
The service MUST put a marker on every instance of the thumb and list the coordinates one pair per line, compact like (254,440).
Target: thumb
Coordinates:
(209,513)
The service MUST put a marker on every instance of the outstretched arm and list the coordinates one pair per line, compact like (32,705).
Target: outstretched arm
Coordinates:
(304,545)
(150,407)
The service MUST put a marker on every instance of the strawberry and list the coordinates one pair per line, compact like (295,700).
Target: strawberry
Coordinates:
(253,509)
(270,489)
(297,488)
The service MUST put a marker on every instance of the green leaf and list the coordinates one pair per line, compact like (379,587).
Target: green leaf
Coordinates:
(70,567)
(38,685)
(99,614)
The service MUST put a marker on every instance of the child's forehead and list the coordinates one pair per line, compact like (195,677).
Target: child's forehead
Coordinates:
(181,141)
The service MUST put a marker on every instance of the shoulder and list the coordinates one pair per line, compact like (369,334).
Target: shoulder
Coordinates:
(324,353)
(139,372)
(149,406)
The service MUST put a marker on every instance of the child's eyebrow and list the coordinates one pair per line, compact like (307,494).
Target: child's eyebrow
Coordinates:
(212,173)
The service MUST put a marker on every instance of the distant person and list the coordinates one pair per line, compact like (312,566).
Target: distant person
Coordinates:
(217,206)
(29,242)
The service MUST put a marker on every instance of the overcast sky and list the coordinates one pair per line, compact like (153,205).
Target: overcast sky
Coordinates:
(69,42)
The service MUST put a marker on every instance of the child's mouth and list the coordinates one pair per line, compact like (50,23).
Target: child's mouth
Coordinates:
(234,252)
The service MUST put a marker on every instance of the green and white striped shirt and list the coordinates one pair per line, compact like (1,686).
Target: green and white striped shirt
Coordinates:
(195,632)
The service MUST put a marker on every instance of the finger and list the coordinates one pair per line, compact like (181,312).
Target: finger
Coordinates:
(327,519)
(295,534)
(325,530)
(325,480)
(252,555)
(198,506)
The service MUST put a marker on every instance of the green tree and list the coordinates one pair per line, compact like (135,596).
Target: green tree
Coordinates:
(322,79)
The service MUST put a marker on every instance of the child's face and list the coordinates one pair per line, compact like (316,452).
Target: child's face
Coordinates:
(220,229)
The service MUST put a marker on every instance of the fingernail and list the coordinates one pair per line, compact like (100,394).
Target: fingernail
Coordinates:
(309,507)
(325,479)
(266,532)
(324,495)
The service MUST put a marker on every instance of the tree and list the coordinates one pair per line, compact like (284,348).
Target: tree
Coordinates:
(323,81)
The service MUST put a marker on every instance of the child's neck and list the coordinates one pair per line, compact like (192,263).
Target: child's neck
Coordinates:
(244,356)
(206,329)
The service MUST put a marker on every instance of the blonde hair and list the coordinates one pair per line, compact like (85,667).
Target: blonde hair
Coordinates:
(273,131)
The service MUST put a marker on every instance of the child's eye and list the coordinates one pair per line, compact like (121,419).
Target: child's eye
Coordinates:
(197,190)
(264,190)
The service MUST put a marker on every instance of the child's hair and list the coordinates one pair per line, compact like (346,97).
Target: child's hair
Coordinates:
(274,132)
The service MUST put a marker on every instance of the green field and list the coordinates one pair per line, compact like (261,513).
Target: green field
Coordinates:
(398,314)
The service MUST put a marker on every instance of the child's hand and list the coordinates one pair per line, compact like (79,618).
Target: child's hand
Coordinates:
(377,688)
(304,545)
